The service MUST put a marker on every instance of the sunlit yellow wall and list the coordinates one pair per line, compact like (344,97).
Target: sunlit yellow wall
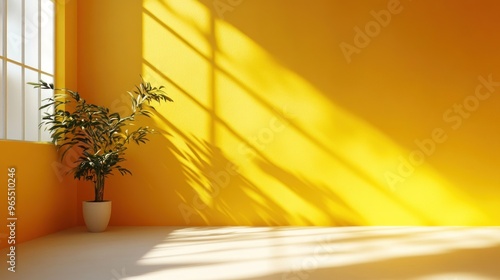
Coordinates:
(303,113)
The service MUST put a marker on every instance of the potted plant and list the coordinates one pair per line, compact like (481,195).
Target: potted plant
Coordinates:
(99,138)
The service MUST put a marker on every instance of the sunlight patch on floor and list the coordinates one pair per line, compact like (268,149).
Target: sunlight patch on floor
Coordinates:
(250,253)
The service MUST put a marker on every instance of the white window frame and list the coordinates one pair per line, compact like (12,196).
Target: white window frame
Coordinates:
(8,132)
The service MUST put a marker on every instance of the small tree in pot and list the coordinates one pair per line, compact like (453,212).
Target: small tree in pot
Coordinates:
(98,136)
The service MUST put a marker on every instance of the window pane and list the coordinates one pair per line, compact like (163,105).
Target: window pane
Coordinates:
(27,36)
(31,107)
(14,28)
(2,15)
(14,102)
(48,38)
(31,33)
(44,94)
(2,102)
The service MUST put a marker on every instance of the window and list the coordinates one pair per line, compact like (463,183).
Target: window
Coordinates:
(27,54)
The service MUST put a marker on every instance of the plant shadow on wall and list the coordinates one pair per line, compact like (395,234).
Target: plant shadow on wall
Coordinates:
(218,194)
(215,192)
(337,212)
(221,195)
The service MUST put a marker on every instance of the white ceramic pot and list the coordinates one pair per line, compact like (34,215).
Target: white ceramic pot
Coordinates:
(96,215)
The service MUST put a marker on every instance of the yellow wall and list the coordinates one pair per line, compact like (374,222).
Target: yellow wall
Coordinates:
(45,200)
(302,113)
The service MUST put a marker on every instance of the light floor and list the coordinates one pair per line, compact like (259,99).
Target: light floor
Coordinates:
(241,253)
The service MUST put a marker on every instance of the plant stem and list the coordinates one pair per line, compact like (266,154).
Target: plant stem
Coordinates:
(99,187)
